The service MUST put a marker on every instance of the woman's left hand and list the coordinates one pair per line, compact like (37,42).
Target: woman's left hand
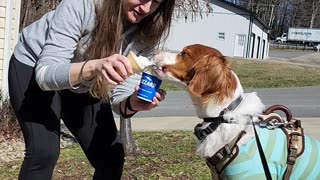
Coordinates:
(141,105)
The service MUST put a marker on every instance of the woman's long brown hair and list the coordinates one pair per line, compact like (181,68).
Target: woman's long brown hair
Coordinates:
(108,34)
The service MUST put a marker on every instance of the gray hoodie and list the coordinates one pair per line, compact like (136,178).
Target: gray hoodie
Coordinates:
(61,37)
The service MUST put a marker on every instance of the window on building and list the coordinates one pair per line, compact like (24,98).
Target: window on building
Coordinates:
(221,36)
(241,40)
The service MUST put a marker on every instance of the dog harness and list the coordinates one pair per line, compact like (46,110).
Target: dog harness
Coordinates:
(293,131)
(201,134)
(225,155)
(269,120)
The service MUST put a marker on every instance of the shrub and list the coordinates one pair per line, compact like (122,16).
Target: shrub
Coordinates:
(9,127)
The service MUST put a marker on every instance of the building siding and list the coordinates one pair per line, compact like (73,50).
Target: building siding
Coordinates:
(2,35)
(230,21)
(9,30)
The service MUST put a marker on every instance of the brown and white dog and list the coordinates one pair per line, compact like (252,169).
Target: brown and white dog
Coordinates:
(213,87)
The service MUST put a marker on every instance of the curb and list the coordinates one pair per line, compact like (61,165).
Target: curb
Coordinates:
(311,125)
(162,123)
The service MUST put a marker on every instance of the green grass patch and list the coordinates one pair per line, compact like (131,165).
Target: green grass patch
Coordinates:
(264,74)
(162,155)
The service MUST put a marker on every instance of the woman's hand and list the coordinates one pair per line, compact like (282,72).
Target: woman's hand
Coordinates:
(115,69)
(141,105)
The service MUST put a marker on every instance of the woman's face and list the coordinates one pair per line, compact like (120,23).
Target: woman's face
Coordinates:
(136,10)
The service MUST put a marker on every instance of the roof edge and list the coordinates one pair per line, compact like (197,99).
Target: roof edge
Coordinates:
(252,14)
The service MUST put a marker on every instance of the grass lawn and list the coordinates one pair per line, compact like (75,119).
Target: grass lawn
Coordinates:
(162,155)
(263,74)
(170,155)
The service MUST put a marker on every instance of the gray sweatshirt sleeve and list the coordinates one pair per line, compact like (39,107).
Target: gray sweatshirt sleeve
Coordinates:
(64,32)
(123,90)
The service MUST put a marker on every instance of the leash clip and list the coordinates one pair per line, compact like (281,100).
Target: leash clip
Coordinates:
(224,111)
(271,124)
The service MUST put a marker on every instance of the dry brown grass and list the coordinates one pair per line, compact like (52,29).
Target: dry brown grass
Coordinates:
(9,127)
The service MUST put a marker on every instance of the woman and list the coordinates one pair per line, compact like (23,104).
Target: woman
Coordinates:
(63,67)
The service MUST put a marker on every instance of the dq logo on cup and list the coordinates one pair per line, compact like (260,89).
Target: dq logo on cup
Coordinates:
(148,87)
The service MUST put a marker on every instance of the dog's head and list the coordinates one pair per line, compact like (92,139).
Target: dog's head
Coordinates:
(203,70)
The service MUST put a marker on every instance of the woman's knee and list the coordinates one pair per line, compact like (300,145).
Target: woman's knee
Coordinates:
(42,146)
(110,164)
(43,156)
(113,156)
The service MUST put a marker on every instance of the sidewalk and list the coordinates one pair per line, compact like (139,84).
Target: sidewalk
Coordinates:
(311,125)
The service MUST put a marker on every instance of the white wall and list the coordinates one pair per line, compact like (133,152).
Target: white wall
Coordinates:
(205,30)
(185,33)
(259,52)
(232,21)
(3,4)
(224,19)
(9,30)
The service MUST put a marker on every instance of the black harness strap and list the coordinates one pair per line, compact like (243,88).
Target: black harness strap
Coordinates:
(215,121)
(232,106)
(262,156)
(202,133)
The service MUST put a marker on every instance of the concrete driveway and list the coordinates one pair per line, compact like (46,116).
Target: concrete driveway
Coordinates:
(288,53)
(308,57)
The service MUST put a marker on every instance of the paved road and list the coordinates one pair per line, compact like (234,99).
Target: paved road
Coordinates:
(303,102)
(177,113)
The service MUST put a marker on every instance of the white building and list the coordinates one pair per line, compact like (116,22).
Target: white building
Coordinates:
(231,29)
(9,30)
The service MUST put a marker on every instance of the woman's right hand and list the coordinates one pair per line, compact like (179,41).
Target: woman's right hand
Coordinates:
(115,69)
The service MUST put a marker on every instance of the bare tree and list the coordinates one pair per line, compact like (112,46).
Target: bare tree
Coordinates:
(32,10)
(126,136)
(315,10)
(307,11)
(282,14)
(195,8)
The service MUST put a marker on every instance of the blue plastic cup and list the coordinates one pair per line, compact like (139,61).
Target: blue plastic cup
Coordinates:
(148,87)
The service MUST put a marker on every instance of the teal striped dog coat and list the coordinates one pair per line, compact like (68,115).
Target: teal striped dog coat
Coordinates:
(247,164)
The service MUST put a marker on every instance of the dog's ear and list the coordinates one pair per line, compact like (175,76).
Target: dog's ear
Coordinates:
(213,78)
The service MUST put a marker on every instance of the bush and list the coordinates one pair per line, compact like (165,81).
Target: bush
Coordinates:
(9,127)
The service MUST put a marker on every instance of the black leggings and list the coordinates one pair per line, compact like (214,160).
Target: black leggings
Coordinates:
(39,113)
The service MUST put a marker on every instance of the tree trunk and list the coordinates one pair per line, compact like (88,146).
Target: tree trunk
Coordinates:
(312,20)
(32,10)
(126,136)
(315,11)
